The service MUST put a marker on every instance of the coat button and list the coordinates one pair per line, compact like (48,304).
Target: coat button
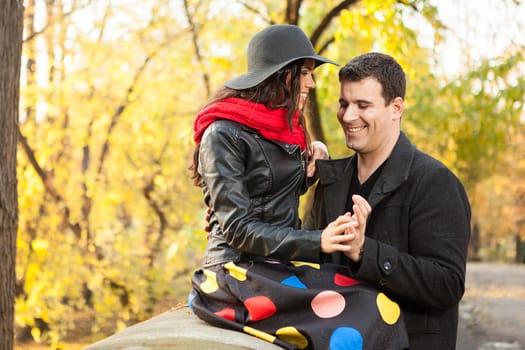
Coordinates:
(387,265)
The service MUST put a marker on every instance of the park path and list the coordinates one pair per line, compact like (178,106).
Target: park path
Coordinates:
(492,312)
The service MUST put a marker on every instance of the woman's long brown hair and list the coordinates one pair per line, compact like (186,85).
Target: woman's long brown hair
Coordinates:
(274,92)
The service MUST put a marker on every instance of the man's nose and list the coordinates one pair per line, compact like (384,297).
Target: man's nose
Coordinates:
(351,113)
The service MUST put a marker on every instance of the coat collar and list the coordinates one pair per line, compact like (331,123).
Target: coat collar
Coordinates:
(335,176)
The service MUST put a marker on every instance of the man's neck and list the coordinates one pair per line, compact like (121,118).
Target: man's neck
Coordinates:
(368,163)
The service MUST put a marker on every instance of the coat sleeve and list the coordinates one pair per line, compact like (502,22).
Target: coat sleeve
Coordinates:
(431,272)
(315,218)
(222,165)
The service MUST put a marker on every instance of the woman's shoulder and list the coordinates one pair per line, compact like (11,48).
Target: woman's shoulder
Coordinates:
(223,131)
(224,125)
(222,128)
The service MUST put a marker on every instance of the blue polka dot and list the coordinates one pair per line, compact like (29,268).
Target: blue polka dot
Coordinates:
(294,281)
(345,338)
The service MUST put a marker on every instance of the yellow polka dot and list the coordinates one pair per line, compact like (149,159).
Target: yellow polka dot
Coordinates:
(259,334)
(210,285)
(304,263)
(235,271)
(388,309)
(293,336)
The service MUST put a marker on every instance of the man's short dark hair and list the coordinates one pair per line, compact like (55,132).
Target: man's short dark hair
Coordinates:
(382,67)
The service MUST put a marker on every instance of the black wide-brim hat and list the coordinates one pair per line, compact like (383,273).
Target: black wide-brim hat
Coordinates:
(270,50)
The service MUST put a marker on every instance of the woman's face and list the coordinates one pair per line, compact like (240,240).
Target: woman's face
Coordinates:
(306,82)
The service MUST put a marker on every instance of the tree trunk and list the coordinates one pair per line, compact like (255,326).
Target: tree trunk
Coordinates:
(475,242)
(11,19)
(520,250)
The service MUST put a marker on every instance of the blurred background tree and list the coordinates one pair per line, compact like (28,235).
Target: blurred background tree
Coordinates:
(11,20)
(110,225)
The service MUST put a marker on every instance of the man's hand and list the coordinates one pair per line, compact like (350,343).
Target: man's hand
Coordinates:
(361,210)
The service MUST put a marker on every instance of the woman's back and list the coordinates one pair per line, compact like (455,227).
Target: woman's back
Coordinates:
(254,185)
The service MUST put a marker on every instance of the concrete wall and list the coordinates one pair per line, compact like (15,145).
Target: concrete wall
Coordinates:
(181,330)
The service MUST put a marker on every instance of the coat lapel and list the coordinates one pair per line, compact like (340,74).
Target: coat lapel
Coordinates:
(396,170)
(335,177)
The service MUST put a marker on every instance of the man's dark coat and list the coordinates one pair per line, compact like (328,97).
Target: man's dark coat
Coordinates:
(416,238)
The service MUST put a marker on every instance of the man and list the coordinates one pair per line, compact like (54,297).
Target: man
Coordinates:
(415,246)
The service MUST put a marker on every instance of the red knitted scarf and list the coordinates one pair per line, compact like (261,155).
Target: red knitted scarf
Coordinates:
(271,123)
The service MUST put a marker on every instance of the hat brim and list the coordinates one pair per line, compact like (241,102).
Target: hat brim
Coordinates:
(253,78)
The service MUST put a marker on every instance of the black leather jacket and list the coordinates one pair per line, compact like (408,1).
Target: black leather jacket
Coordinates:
(252,186)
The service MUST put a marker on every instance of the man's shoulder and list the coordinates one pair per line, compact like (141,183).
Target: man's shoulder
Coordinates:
(420,157)
(430,167)
(425,160)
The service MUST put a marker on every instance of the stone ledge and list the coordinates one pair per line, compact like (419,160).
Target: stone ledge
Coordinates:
(181,330)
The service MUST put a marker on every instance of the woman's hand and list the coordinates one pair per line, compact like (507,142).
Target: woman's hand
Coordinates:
(334,237)
(319,151)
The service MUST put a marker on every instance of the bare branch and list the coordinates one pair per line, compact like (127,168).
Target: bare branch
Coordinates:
(147,191)
(408,3)
(195,41)
(324,47)
(252,9)
(325,22)
(121,108)
(48,183)
(48,25)
(292,11)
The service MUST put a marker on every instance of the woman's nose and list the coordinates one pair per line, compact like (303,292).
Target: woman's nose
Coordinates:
(310,83)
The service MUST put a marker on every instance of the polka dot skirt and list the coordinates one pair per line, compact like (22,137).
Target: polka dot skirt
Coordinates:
(298,305)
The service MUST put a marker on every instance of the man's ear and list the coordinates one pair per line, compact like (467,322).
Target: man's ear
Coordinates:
(398,106)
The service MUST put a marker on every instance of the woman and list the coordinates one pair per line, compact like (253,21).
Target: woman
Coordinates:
(261,272)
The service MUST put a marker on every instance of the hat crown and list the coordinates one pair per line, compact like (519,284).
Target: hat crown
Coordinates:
(277,44)
(270,50)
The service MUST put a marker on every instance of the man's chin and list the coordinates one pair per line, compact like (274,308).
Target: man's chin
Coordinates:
(352,145)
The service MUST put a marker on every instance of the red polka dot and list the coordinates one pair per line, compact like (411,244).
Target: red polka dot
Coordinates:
(345,281)
(227,313)
(260,307)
